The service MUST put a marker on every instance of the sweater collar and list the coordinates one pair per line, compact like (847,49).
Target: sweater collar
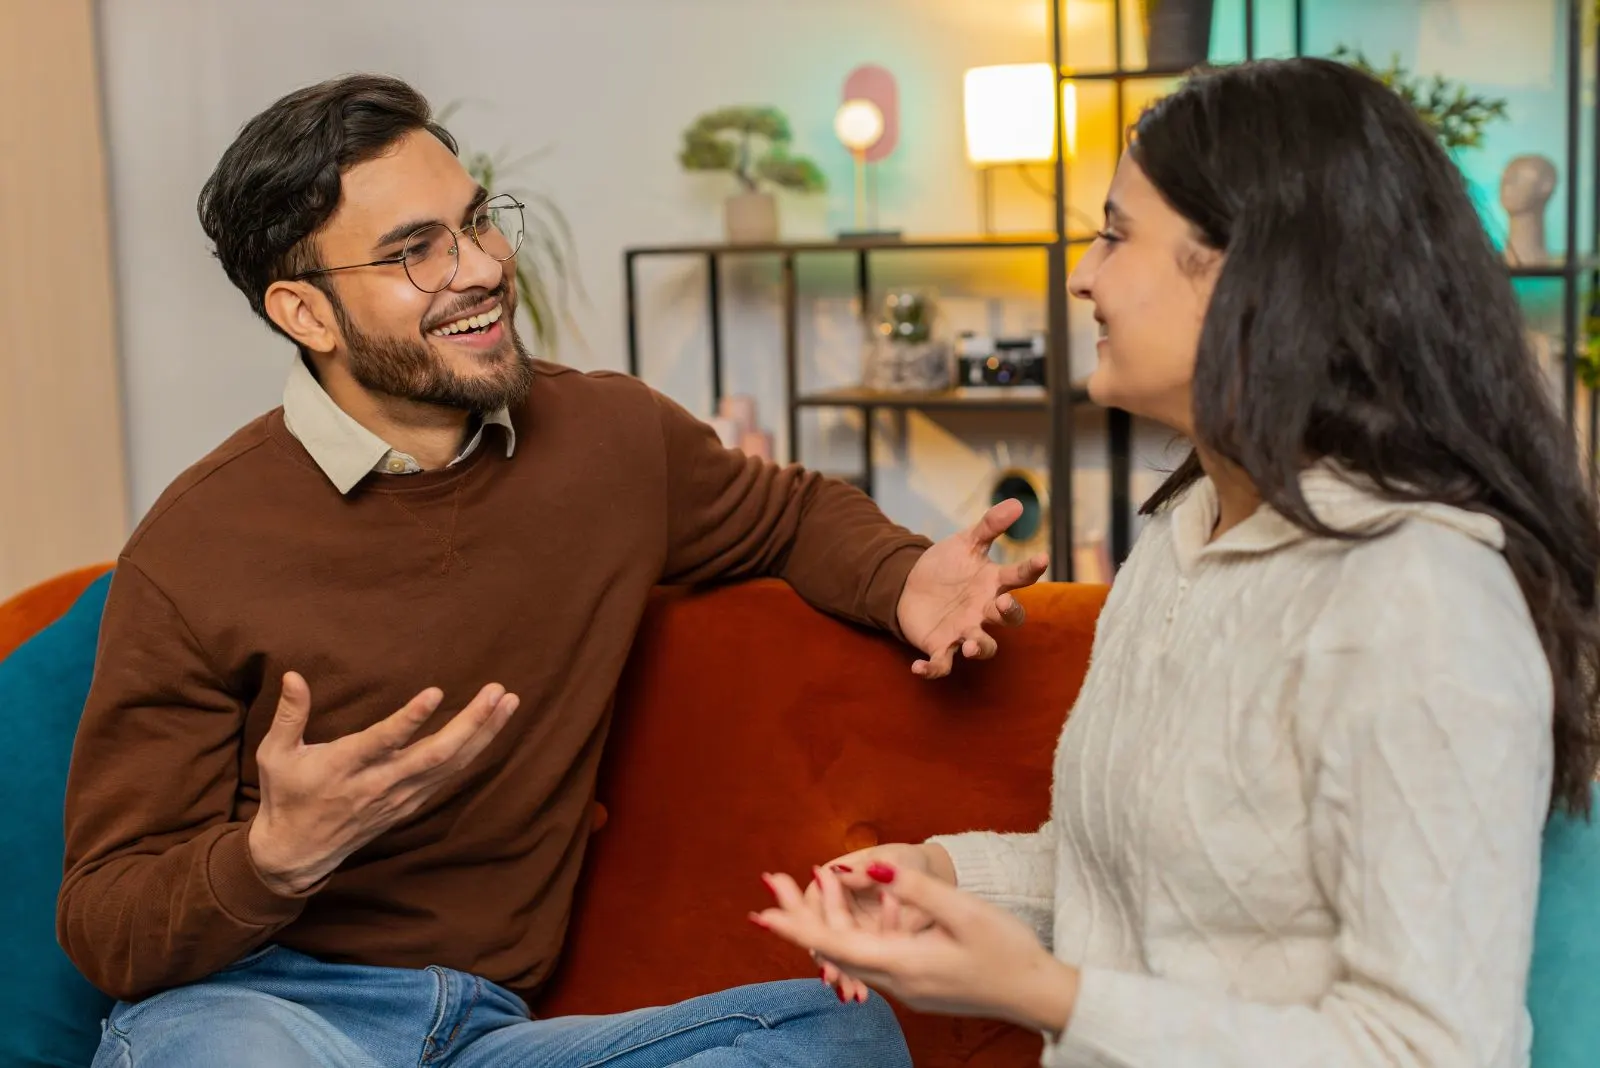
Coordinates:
(1340,499)
(345,450)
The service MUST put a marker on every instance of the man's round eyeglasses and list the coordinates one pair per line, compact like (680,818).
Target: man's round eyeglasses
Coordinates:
(431,253)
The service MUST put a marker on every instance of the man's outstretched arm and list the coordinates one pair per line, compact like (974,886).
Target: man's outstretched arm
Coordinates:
(733,516)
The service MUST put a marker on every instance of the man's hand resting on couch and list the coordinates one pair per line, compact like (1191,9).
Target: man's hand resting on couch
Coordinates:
(955,590)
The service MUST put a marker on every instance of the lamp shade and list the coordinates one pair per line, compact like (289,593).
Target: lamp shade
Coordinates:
(858,124)
(1011,116)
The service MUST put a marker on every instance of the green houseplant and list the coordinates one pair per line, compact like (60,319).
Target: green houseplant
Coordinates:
(752,144)
(1455,115)
(547,269)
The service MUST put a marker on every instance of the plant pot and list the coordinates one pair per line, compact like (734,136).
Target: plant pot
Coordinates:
(1177,33)
(751,218)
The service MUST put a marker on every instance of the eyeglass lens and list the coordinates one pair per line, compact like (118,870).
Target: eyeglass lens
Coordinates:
(431,254)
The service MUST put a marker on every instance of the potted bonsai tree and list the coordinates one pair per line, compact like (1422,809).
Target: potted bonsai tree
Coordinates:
(752,144)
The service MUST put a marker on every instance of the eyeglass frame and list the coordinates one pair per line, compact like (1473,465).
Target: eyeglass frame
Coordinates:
(455,246)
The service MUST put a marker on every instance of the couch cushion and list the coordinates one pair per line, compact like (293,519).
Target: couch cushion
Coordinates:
(1564,985)
(53,1013)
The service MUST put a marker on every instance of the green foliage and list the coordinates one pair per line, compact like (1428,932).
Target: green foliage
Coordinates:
(751,143)
(1588,355)
(547,273)
(1454,115)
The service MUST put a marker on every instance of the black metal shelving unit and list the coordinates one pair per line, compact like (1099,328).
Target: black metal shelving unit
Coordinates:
(1061,398)
(870,402)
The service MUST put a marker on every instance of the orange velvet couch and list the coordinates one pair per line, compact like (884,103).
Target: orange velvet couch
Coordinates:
(754,734)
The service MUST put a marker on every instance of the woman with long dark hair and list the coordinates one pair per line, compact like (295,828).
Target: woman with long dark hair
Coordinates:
(1350,666)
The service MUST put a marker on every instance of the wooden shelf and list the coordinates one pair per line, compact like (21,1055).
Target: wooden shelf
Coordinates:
(971,242)
(997,399)
(1554,269)
(1123,75)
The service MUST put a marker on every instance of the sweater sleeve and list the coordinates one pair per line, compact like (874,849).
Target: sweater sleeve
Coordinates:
(1014,871)
(159,888)
(732,516)
(1426,824)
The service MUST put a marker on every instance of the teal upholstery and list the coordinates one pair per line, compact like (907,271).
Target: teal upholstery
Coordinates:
(54,1013)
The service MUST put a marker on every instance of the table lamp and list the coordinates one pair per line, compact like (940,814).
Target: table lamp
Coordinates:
(859,124)
(868,125)
(1010,113)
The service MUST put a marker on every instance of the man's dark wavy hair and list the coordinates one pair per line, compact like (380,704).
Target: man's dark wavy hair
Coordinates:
(279,181)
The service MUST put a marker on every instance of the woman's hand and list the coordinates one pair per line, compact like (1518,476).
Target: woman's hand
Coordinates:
(862,897)
(975,959)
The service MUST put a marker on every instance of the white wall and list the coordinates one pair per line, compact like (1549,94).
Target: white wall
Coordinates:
(607,87)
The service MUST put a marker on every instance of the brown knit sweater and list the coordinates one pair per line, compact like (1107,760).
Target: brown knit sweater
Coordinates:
(530,570)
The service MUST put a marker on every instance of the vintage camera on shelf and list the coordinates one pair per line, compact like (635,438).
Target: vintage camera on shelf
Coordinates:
(984,362)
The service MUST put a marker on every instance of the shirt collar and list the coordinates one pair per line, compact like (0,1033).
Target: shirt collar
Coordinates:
(1339,498)
(345,450)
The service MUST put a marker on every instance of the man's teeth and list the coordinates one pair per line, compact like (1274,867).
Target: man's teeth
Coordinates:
(472,322)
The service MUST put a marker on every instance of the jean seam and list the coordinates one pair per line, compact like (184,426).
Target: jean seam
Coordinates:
(124,1047)
(430,1046)
(477,993)
(697,1025)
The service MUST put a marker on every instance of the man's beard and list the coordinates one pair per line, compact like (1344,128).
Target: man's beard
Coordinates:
(410,370)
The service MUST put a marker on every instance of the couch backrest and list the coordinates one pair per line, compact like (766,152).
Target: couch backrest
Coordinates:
(754,734)
(751,734)
(26,613)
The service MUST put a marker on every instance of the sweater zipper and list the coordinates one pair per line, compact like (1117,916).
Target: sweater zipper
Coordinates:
(1172,611)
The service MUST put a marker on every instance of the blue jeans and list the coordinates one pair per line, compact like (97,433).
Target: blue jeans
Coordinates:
(281,1009)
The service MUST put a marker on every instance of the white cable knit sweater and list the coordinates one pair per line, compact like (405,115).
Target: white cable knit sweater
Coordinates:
(1297,807)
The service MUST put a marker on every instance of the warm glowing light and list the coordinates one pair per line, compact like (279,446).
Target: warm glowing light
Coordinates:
(859,124)
(1011,115)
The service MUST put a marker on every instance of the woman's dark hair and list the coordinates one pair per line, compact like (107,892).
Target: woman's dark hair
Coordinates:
(280,179)
(1361,315)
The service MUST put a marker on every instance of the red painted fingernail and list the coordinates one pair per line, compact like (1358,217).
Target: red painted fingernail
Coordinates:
(759,922)
(861,998)
(845,868)
(823,975)
(766,882)
(841,996)
(882,873)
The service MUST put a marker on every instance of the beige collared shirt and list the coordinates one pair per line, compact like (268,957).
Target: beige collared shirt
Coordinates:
(347,451)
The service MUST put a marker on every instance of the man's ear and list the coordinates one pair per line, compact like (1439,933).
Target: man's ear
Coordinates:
(305,313)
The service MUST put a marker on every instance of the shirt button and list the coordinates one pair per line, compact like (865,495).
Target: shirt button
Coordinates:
(397,466)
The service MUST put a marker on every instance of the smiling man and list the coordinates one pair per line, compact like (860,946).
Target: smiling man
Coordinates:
(332,786)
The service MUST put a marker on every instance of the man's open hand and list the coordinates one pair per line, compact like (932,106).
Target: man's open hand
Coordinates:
(955,589)
(320,803)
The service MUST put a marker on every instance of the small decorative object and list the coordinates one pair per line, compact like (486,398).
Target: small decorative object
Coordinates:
(1454,115)
(868,124)
(736,426)
(1030,534)
(1177,33)
(751,143)
(904,356)
(984,362)
(1526,186)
